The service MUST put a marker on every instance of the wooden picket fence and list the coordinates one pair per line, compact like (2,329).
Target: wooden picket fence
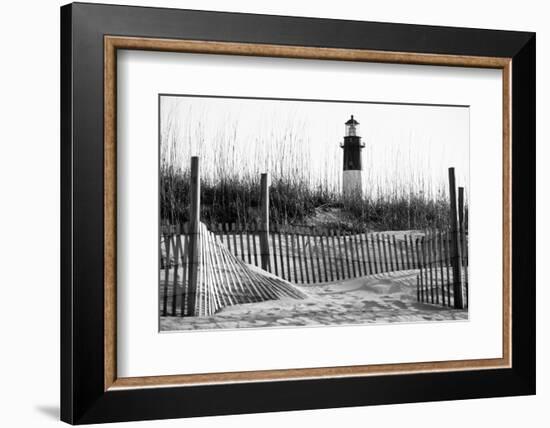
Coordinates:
(299,255)
(443,277)
(308,255)
(435,282)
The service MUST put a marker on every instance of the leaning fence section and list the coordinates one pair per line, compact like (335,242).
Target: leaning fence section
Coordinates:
(221,278)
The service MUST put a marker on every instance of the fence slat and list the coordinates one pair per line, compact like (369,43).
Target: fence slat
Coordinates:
(299,274)
(185,264)
(358,257)
(324,251)
(288,258)
(390,253)
(342,255)
(407,262)
(441,270)
(435,265)
(402,255)
(248,246)
(263,229)
(254,246)
(228,237)
(177,246)
(311,255)
(338,253)
(333,263)
(421,275)
(349,254)
(220,270)
(447,264)
(386,258)
(409,250)
(462,242)
(220,232)
(426,270)
(319,256)
(275,265)
(395,252)
(234,235)
(354,255)
(380,244)
(430,261)
(376,249)
(363,255)
(241,241)
(299,246)
(304,258)
(308,256)
(209,265)
(335,254)
(316,248)
(296,260)
(369,254)
(465,265)
(284,273)
(417,256)
(166,274)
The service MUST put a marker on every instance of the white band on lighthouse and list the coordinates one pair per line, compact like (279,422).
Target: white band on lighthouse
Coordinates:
(353,183)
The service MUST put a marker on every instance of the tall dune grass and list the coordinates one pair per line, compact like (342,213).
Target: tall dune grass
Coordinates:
(236,200)
(301,190)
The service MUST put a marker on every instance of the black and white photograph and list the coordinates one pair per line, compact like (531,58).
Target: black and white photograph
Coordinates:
(298,213)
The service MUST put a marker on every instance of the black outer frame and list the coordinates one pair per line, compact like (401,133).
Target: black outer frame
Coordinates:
(83,399)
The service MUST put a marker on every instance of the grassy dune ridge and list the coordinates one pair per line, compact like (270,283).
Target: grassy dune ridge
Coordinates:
(236,200)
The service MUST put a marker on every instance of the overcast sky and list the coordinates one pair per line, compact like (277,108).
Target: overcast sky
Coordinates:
(404,143)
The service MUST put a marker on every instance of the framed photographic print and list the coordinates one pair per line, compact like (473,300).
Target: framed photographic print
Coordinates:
(320,213)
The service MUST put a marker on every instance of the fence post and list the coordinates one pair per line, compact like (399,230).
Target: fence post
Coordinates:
(455,250)
(465,255)
(264,223)
(194,236)
(463,246)
(460,207)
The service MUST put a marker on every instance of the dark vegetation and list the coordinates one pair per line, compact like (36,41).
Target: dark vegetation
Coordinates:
(292,202)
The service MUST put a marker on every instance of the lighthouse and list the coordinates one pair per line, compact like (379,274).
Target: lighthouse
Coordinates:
(353,167)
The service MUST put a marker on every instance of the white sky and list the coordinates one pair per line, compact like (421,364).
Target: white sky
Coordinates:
(404,143)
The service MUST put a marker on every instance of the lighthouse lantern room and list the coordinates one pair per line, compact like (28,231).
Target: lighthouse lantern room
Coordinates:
(353,167)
